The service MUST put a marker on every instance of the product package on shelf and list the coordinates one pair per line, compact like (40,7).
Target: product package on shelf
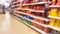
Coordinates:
(26,21)
(54,2)
(57,23)
(52,22)
(37,20)
(38,26)
(47,30)
(53,12)
(59,12)
(28,12)
(58,2)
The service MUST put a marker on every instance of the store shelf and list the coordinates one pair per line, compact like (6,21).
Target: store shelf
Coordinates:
(55,17)
(52,6)
(32,3)
(31,20)
(53,27)
(45,19)
(30,10)
(39,30)
(35,22)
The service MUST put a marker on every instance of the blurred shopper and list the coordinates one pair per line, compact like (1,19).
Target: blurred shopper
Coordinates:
(3,9)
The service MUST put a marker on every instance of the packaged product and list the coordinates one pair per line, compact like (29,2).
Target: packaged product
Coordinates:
(41,27)
(41,21)
(37,14)
(59,13)
(58,2)
(20,7)
(52,22)
(28,12)
(35,1)
(31,7)
(46,22)
(29,17)
(57,23)
(24,11)
(32,23)
(27,7)
(37,25)
(53,12)
(54,2)
(29,22)
(30,1)
(47,30)
(35,19)
(33,13)
(35,8)
(27,1)
(40,7)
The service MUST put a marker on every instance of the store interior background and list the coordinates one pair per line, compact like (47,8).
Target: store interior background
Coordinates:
(10,25)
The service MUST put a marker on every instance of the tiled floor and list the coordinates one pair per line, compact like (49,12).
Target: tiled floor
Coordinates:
(9,25)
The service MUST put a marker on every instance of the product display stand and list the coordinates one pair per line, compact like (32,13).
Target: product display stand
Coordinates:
(40,15)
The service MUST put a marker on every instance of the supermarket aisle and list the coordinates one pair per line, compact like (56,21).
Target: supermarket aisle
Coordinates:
(9,25)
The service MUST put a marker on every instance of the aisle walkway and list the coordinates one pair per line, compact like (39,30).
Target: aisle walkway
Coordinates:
(9,25)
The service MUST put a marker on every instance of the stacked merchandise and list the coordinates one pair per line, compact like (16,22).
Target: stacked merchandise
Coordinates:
(54,14)
(33,13)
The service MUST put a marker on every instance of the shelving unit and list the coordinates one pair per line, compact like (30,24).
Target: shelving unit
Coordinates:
(30,25)
(46,17)
(44,25)
(31,4)
(30,10)
(32,21)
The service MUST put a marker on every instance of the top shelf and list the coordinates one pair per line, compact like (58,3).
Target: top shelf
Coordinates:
(54,6)
(33,3)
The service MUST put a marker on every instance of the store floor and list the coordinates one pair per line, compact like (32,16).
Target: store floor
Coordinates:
(9,25)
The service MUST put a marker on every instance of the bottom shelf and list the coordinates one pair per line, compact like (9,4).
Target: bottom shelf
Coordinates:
(41,31)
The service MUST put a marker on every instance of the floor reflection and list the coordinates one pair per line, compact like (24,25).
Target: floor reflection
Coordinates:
(5,24)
